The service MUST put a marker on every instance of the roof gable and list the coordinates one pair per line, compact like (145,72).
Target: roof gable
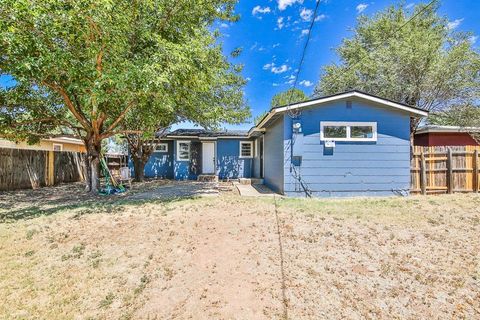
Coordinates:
(414,111)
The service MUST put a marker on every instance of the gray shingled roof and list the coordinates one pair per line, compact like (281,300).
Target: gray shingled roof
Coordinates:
(207,133)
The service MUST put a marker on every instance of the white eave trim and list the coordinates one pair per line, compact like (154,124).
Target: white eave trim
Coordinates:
(339,97)
(357,95)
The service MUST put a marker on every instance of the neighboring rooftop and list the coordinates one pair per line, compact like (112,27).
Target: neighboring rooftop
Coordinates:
(446,129)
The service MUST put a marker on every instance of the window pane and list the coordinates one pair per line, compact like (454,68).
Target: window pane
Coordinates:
(335,131)
(184,150)
(246,150)
(361,132)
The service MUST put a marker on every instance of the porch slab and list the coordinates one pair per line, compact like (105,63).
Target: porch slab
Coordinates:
(254,190)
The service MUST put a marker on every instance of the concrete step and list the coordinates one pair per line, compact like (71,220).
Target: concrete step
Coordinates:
(207,178)
(250,181)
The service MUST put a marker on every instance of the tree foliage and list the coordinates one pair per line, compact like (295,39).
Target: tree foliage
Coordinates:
(282,99)
(103,67)
(420,62)
(288,97)
(466,116)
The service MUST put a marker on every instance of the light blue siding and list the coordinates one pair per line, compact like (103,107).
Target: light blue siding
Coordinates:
(229,164)
(351,168)
(274,156)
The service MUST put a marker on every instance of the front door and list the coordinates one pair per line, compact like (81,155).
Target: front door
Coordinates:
(208,157)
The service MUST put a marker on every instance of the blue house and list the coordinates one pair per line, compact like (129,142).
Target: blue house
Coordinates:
(346,144)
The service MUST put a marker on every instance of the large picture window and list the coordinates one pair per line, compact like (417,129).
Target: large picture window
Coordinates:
(183,150)
(348,131)
(246,149)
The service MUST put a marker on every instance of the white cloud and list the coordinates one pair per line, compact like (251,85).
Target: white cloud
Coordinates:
(281,69)
(410,5)
(361,7)
(305,32)
(224,25)
(320,17)
(275,84)
(306,83)
(276,45)
(454,24)
(283,4)
(268,66)
(280,23)
(248,79)
(473,39)
(260,10)
(276,69)
(306,14)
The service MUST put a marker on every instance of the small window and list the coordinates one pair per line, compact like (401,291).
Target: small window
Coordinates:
(183,150)
(246,149)
(161,147)
(348,131)
(57,147)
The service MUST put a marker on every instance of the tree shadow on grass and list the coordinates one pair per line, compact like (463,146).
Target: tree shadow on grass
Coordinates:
(28,204)
(107,206)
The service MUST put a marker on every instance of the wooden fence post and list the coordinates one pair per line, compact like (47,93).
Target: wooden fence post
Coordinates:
(475,171)
(423,173)
(449,171)
(51,168)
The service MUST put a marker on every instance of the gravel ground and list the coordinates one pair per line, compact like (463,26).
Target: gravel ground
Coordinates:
(229,257)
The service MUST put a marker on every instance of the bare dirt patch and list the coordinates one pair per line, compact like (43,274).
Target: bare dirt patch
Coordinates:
(219,257)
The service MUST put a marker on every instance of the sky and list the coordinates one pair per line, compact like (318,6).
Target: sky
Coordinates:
(272,34)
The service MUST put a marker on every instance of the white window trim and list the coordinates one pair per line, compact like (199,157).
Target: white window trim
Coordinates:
(348,124)
(178,149)
(251,149)
(161,144)
(57,145)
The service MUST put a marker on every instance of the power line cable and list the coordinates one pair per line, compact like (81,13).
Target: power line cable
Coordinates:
(307,41)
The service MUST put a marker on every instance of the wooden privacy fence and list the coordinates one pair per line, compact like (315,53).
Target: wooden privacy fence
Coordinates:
(445,169)
(25,169)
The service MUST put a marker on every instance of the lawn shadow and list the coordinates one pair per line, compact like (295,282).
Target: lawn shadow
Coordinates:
(28,204)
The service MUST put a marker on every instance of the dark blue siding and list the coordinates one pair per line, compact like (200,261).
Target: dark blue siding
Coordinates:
(181,169)
(159,165)
(229,164)
(274,156)
(351,168)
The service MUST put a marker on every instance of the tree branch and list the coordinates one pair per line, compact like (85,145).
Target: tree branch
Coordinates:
(69,104)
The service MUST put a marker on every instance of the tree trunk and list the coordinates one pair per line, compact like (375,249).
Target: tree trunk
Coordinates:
(93,165)
(139,167)
(140,153)
(88,174)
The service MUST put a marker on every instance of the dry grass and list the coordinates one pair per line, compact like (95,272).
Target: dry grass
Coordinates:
(218,257)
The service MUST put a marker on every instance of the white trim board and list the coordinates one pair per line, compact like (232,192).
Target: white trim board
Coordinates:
(353,94)
(240,149)
(178,148)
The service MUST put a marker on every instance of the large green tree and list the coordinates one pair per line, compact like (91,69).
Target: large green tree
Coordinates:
(99,64)
(407,56)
